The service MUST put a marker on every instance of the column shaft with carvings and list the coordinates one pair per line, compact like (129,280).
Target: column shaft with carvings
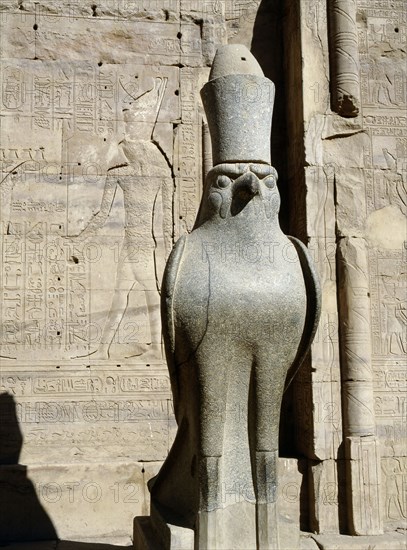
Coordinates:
(361,445)
(344,57)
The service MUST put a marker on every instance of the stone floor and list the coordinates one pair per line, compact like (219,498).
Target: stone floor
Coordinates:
(388,541)
(107,544)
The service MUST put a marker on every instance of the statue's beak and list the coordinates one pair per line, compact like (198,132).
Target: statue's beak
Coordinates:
(244,189)
(247,185)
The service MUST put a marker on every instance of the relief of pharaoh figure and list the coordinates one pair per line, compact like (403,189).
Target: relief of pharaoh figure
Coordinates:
(142,172)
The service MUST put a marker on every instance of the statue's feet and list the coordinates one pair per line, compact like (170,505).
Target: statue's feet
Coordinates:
(210,501)
(209,483)
(266,500)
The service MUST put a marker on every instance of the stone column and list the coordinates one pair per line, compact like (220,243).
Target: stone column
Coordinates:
(344,57)
(361,445)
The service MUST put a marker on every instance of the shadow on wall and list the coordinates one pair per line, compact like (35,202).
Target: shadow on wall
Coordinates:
(22,516)
(62,545)
(267,48)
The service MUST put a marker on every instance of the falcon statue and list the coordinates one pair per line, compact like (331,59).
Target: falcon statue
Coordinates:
(240,306)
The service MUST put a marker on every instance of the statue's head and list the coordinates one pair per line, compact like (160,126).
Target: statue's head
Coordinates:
(231,188)
(238,101)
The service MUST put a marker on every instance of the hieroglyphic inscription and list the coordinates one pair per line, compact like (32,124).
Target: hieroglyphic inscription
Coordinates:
(35,188)
(92,412)
(382,35)
(86,98)
(44,292)
(389,345)
(391,409)
(47,384)
(188,169)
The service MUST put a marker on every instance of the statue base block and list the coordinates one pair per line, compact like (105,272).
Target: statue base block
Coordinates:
(233,526)
(152,534)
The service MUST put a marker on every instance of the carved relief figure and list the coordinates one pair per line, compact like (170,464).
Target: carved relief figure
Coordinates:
(395,191)
(395,311)
(382,84)
(233,279)
(394,489)
(142,172)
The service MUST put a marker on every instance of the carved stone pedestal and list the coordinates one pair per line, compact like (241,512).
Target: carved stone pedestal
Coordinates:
(153,533)
(145,536)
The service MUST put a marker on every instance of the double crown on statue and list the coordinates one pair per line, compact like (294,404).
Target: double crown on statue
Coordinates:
(238,101)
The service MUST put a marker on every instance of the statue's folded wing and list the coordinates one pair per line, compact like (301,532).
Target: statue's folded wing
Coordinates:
(167,316)
(313,291)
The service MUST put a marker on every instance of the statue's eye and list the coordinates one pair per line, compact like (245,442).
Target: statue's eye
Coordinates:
(270,182)
(223,182)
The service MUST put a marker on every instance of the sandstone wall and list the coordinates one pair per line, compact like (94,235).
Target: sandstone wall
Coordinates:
(353,133)
(103,152)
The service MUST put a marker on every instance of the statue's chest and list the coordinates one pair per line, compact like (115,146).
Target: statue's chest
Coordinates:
(239,287)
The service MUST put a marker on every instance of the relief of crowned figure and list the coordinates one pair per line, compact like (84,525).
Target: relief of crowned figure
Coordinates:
(141,170)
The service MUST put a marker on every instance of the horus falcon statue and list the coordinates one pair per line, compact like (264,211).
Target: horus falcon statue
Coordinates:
(240,306)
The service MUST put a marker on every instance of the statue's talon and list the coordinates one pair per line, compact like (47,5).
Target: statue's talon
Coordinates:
(266,501)
(210,502)
(209,474)
(207,533)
